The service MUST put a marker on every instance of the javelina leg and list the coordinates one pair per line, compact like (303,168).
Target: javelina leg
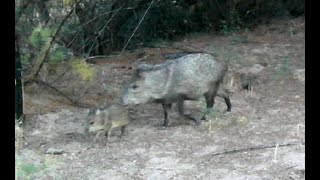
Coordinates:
(109,133)
(166,108)
(180,107)
(227,100)
(95,138)
(122,130)
(181,111)
(210,102)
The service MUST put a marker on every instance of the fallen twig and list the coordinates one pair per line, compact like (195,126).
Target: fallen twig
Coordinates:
(256,148)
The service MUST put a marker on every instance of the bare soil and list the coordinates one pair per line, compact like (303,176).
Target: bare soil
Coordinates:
(261,138)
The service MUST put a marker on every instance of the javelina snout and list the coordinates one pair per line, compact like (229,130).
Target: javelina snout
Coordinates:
(186,78)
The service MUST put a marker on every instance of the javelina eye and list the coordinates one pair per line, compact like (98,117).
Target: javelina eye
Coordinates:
(134,86)
(91,122)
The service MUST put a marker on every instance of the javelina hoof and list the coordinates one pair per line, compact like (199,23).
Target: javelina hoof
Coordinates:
(197,122)
(162,127)
(204,118)
(106,142)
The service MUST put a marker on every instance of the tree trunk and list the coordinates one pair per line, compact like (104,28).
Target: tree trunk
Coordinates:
(18,83)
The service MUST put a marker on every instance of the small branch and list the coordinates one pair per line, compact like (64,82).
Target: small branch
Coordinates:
(99,56)
(101,30)
(140,59)
(256,148)
(116,10)
(73,102)
(136,28)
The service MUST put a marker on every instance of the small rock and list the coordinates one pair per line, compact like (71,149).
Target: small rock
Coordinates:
(54,151)
(299,74)
(256,68)
(273,111)
(36,132)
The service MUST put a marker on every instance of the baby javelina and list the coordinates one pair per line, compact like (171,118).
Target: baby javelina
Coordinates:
(105,118)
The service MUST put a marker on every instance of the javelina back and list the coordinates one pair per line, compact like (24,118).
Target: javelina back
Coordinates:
(186,78)
(105,118)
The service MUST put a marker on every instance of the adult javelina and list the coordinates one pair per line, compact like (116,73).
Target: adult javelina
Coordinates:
(186,78)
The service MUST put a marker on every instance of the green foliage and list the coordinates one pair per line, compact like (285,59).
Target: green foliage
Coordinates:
(24,169)
(40,36)
(67,2)
(283,69)
(25,58)
(253,15)
(214,115)
(163,22)
(83,69)
(232,23)
(28,168)
(210,113)
(272,8)
(58,55)
(71,35)
(46,169)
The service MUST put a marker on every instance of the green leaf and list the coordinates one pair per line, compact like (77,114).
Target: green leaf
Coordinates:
(40,36)
(83,69)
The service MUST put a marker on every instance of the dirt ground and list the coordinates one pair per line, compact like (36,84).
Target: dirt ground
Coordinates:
(261,138)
